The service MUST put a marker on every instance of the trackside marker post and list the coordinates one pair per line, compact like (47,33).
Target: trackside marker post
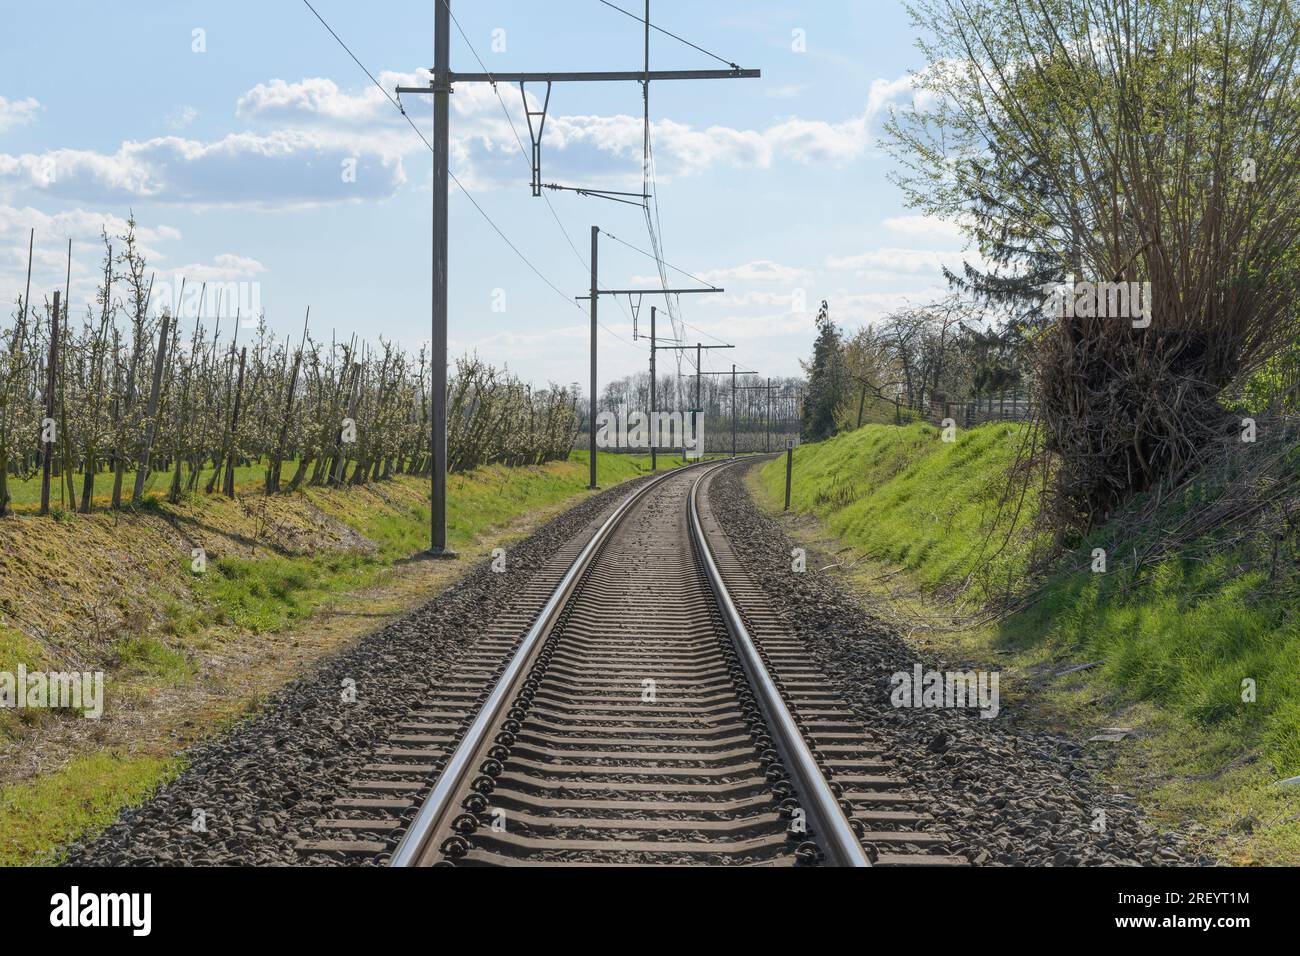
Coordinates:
(789,469)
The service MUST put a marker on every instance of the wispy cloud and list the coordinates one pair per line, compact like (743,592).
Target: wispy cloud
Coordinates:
(281,169)
(223,268)
(49,257)
(892,263)
(925,229)
(182,117)
(17,112)
(760,270)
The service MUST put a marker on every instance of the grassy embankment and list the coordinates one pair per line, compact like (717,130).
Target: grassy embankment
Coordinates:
(289,578)
(1175,642)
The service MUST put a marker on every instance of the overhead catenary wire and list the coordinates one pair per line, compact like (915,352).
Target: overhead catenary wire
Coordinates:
(528,160)
(704,333)
(693,46)
(349,52)
(655,228)
(651,255)
(649,186)
(492,81)
(481,211)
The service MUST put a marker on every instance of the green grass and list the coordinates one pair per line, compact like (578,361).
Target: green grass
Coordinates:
(38,816)
(907,498)
(1185,637)
(25,494)
(270,593)
(1177,640)
(16,648)
(149,658)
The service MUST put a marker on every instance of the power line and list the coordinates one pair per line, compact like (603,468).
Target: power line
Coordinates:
(651,255)
(650,185)
(358,62)
(527,159)
(628,13)
(648,178)
(511,244)
(481,211)
(702,332)
(440,89)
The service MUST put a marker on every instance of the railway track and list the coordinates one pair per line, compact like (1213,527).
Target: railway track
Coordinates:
(640,703)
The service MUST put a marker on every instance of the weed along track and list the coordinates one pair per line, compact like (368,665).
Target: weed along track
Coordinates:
(638,704)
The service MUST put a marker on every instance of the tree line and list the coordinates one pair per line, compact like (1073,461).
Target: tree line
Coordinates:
(916,363)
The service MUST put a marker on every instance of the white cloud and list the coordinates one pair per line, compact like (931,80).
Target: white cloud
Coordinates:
(744,327)
(760,270)
(684,150)
(319,99)
(891,263)
(281,168)
(222,268)
(865,308)
(925,229)
(751,299)
(593,149)
(787,92)
(17,112)
(182,117)
(307,131)
(81,225)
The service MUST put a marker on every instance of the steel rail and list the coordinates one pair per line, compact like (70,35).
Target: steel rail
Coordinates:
(438,805)
(826,817)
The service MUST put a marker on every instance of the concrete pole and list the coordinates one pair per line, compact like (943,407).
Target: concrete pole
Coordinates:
(595,299)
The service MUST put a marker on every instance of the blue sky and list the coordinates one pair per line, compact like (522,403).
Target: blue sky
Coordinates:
(233,159)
